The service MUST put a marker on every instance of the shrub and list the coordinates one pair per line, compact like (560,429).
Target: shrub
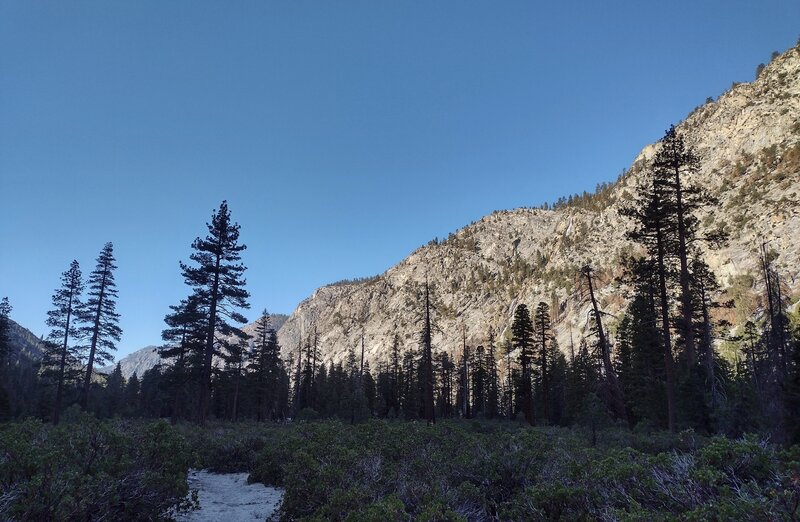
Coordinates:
(88,470)
(480,470)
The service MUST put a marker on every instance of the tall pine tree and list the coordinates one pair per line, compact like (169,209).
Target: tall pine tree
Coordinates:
(654,228)
(543,336)
(427,361)
(219,287)
(60,359)
(5,331)
(183,352)
(102,320)
(523,341)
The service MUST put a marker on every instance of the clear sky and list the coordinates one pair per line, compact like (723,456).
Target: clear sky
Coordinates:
(343,134)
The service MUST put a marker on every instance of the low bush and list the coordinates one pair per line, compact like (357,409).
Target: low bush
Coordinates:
(455,470)
(90,470)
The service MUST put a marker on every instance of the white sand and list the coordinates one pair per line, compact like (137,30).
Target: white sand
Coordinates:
(228,497)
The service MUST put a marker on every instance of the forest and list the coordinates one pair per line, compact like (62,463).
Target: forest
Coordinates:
(648,420)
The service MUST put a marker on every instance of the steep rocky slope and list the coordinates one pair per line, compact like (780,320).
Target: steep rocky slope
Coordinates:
(24,344)
(749,145)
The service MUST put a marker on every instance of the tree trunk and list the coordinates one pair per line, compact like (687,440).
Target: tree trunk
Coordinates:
(60,387)
(87,382)
(669,369)
(686,294)
(205,391)
(618,399)
(430,412)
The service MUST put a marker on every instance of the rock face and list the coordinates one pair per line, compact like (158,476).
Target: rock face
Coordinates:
(748,142)
(24,344)
(136,362)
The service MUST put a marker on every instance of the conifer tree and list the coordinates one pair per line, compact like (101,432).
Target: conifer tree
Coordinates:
(581,381)
(114,393)
(60,359)
(411,388)
(266,368)
(705,285)
(463,397)
(297,392)
(479,376)
(542,338)
(612,390)
(219,287)
(671,164)
(427,362)
(370,389)
(5,331)
(654,228)
(395,379)
(132,394)
(508,398)
(235,356)
(493,378)
(183,351)
(640,359)
(99,313)
(523,341)
(5,351)
(778,355)
(445,369)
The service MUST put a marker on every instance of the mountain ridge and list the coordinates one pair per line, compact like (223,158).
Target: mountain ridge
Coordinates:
(747,141)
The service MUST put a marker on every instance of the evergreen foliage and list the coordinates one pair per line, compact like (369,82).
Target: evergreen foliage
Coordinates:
(101,320)
(217,282)
(61,360)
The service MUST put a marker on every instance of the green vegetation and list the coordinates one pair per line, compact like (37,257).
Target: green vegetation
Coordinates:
(393,470)
(84,469)
(485,471)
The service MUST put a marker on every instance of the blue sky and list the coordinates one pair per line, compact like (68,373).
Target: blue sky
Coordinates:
(343,134)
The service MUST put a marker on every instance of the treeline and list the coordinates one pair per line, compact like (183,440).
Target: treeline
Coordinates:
(84,332)
(659,367)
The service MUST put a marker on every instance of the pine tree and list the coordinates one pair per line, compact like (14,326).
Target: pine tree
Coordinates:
(654,228)
(671,164)
(778,352)
(60,359)
(543,336)
(612,390)
(114,393)
(396,376)
(523,341)
(5,351)
(641,358)
(5,332)
(183,351)
(581,381)
(235,353)
(99,312)
(558,385)
(427,362)
(218,283)
(508,399)
(493,378)
(297,392)
(479,377)
(267,370)
(132,394)
(463,397)
(705,285)
(445,369)
(411,398)
(370,390)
